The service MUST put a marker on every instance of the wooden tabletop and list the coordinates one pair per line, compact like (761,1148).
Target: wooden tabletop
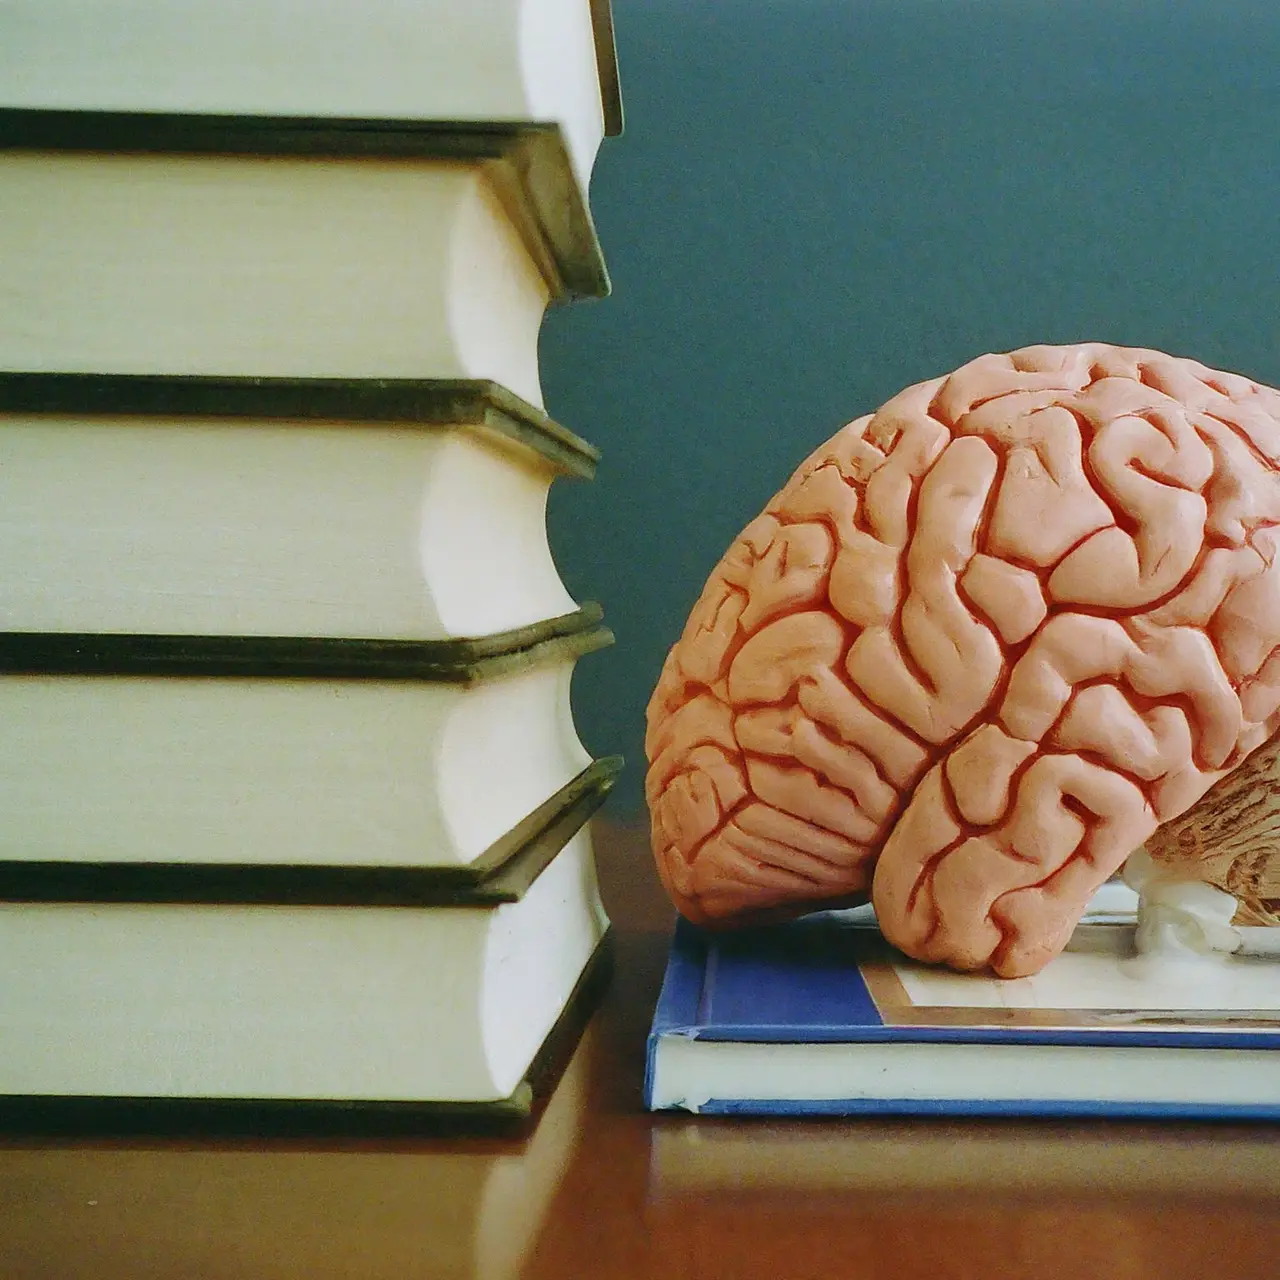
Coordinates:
(601,1189)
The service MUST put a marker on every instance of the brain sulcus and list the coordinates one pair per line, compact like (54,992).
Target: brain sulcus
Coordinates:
(977,650)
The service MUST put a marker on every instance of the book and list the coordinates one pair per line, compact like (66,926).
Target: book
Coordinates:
(244,246)
(822,1017)
(545,60)
(342,753)
(248,506)
(502,873)
(255,1003)
(284,1210)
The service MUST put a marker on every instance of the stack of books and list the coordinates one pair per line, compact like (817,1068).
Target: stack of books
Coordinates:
(292,808)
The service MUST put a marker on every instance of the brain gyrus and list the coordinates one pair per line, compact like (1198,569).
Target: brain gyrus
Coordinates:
(980,646)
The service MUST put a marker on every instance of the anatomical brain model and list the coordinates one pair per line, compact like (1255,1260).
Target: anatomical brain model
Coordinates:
(983,645)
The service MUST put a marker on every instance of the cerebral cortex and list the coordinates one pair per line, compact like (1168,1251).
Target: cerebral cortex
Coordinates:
(979,647)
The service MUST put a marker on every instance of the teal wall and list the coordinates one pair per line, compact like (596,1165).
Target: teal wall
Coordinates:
(817,202)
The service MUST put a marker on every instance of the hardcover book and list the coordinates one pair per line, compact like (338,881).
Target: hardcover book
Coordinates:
(401,509)
(548,60)
(134,243)
(822,1017)
(245,749)
(246,1007)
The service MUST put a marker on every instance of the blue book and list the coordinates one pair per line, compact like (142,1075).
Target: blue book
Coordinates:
(822,1017)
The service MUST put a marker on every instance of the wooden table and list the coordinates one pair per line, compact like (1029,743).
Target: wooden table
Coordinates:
(603,1190)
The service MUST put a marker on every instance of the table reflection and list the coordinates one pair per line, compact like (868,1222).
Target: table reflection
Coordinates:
(285,1208)
(985,1158)
(962,1201)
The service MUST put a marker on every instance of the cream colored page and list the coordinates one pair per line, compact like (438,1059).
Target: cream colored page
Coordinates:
(264,266)
(203,527)
(313,772)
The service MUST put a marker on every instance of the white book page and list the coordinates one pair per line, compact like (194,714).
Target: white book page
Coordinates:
(1098,970)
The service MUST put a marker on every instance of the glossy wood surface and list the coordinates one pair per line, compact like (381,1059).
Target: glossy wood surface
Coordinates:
(602,1190)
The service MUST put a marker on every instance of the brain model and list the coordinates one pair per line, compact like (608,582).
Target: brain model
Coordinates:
(978,649)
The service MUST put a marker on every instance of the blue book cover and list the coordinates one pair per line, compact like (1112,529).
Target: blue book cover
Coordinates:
(822,1017)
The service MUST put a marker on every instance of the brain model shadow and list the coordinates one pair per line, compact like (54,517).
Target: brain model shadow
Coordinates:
(983,643)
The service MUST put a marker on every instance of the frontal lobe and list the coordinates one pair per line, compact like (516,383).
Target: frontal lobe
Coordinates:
(980,646)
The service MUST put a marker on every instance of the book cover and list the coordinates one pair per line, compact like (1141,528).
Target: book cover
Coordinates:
(822,1017)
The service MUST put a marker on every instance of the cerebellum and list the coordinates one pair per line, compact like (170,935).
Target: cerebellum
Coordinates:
(978,649)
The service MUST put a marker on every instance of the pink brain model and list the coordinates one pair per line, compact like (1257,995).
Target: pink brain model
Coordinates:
(980,646)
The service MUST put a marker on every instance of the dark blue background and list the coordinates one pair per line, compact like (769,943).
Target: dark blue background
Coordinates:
(818,202)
